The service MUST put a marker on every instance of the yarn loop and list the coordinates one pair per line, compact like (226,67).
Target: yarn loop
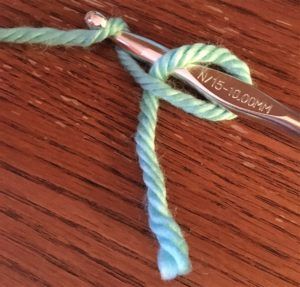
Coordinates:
(173,258)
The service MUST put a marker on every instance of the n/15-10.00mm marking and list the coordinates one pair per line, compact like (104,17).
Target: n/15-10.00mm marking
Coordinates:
(234,93)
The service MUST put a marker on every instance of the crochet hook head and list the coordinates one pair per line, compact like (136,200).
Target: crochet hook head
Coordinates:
(134,44)
(95,20)
(217,86)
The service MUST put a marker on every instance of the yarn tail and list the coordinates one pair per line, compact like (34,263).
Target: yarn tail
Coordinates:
(173,259)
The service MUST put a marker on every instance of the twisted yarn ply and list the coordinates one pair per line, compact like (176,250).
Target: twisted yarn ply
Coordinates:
(173,258)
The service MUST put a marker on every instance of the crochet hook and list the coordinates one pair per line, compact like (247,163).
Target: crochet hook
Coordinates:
(216,86)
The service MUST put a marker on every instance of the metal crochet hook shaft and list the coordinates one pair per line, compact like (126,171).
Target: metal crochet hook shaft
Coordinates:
(218,87)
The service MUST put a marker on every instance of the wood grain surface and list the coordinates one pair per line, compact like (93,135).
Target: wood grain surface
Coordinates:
(72,197)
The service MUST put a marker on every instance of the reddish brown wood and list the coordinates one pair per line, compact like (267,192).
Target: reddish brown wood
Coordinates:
(72,198)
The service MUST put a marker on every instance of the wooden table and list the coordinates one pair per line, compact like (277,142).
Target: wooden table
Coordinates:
(72,197)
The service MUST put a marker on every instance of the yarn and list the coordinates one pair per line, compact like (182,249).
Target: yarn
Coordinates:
(173,257)
(55,37)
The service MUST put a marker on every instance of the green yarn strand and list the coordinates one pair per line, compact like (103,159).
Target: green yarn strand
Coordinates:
(173,258)
(55,37)
(173,255)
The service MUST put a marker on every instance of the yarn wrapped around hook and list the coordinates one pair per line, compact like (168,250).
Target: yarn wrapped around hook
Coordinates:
(173,257)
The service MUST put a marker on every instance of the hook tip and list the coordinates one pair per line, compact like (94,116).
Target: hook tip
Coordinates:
(95,20)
